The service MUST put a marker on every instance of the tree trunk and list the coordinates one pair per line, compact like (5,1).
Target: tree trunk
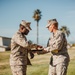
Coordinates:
(37,32)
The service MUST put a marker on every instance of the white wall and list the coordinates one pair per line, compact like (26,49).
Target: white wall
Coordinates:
(1,41)
(4,43)
(2,49)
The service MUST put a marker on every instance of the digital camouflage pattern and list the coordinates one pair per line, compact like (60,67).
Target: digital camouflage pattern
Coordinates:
(19,54)
(59,55)
(19,46)
(19,70)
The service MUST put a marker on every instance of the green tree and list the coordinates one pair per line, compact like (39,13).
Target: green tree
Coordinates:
(37,16)
(65,30)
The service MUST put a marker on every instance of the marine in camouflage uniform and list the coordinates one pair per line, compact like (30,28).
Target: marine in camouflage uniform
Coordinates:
(19,44)
(58,47)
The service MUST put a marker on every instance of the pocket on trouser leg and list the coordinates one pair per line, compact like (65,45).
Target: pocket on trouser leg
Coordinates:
(52,70)
(19,70)
(61,69)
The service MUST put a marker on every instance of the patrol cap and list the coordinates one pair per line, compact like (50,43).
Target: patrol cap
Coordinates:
(51,22)
(26,24)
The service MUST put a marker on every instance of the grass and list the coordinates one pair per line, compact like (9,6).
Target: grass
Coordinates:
(71,69)
(4,63)
(39,66)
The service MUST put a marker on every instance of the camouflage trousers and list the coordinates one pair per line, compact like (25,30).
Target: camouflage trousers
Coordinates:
(59,69)
(19,70)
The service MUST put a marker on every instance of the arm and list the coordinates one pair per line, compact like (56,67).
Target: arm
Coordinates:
(58,43)
(20,40)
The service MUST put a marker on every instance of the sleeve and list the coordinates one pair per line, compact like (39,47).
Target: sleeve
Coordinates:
(58,43)
(20,40)
(48,42)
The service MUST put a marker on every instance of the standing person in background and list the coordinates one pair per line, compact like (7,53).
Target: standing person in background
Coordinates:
(58,48)
(19,44)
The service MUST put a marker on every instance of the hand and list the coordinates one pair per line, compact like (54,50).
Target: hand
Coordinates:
(46,49)
(39,47)
(31,55)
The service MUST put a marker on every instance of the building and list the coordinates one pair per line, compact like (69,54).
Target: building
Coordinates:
(4,43)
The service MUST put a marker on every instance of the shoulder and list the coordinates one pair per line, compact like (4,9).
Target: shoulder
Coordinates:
(60,33)
(17,34)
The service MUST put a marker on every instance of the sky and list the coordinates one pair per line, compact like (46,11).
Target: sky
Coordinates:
(12,12)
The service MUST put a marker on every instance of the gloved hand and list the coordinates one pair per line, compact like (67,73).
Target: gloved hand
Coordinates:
(31,55)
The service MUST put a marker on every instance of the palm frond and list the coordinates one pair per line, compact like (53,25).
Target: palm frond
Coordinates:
(37,15)
(65,30)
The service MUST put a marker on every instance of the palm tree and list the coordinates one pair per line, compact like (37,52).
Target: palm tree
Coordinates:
(37,16)
(65,30)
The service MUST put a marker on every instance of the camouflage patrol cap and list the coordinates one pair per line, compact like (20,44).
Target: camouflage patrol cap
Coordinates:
(50,22)
(26,24)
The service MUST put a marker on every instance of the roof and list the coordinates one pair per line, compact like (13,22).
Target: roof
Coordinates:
(5,37)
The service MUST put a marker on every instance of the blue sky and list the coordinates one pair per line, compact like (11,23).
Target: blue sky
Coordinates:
(13,11)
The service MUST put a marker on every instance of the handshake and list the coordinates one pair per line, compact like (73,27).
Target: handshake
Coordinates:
(38,49)
(34,48)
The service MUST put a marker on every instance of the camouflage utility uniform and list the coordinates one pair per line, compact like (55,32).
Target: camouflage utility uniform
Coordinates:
(18,56)
(59,55)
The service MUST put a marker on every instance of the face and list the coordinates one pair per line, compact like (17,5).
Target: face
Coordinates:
(50,28)
(24,31)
